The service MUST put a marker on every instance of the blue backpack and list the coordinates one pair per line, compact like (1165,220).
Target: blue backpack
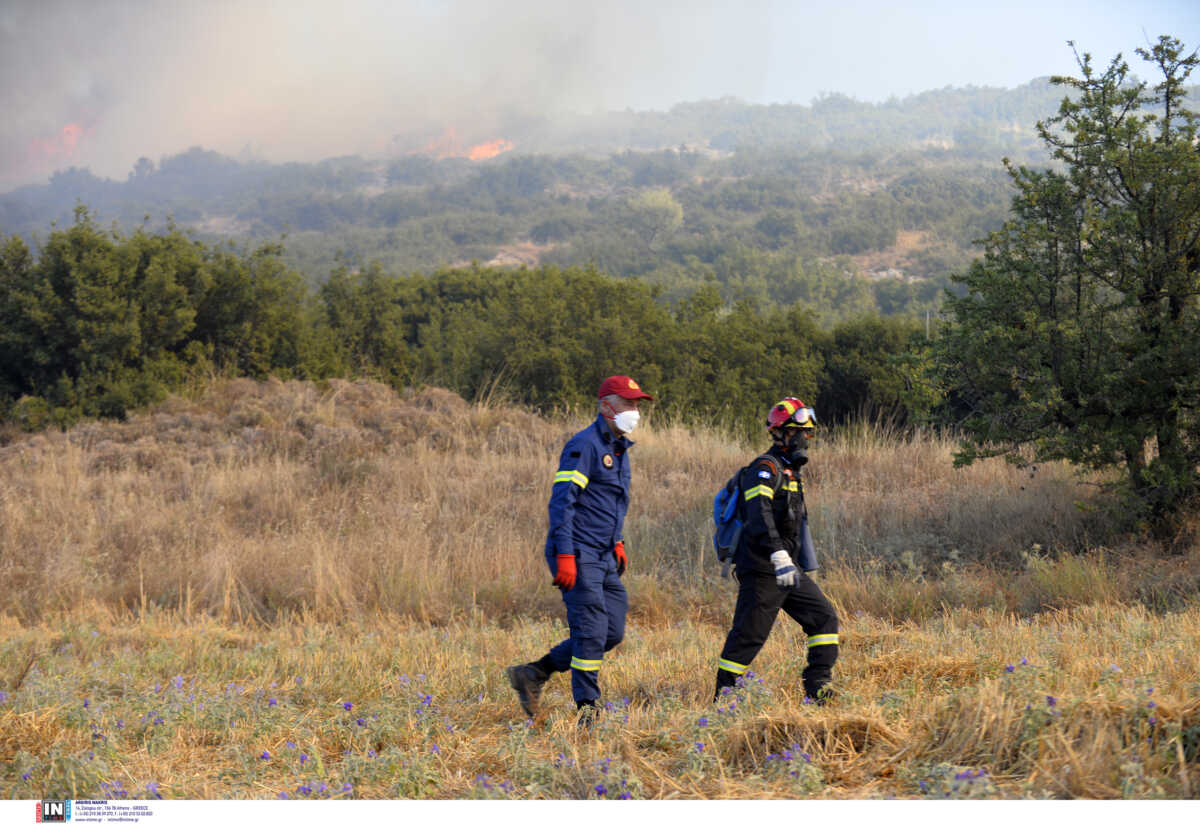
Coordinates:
(728,521)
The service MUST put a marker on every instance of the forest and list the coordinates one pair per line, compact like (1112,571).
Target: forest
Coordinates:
(847,207)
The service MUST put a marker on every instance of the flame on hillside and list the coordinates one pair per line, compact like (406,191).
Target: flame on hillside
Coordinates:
(485,150)
(63,144)
(449,144)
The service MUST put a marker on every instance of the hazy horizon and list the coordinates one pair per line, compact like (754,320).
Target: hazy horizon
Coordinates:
(99,85)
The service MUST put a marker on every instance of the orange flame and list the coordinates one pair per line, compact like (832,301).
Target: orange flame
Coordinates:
(485,150)
(64,143)
(449,145)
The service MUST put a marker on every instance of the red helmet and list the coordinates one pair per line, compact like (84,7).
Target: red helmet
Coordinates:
(791,412)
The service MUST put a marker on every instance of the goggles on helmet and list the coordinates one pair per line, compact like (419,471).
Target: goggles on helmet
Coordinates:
(789,413)
(804,416)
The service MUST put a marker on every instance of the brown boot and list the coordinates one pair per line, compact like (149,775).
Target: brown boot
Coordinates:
(528,682)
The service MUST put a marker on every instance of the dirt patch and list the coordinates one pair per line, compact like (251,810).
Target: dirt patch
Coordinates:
(893,261)
(519,254)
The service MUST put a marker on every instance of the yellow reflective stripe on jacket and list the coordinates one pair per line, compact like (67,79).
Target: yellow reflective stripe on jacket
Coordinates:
(792,486)
(572,475)
(761,489)
(732,666)
(821,640)
(584,664)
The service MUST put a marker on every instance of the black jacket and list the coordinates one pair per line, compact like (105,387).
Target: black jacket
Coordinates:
(773,510)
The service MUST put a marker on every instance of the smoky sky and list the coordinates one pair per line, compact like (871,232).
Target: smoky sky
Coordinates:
(99,84)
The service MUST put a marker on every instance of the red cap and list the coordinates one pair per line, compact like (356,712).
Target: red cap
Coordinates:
(624,386)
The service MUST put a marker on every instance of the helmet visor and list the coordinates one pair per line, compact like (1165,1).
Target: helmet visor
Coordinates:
(804,416)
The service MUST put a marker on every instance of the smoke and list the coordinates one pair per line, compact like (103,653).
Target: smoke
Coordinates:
(306,79)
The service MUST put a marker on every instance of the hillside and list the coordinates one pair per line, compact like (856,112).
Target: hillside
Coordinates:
(755,197)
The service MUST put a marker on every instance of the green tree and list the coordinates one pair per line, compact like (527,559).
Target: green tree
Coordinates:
(655,214)
(1078,336)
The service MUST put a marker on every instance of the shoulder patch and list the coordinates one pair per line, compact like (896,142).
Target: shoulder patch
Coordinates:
(575,453)
(607,460)
(764,474)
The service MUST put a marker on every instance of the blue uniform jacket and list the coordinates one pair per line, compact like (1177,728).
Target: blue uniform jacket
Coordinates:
(590,494)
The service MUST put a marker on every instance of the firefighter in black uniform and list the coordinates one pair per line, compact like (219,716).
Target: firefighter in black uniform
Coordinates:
(769,558)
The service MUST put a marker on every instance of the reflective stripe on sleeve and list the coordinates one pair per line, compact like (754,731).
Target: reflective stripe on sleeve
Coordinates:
(822,640)
(584,664)
(761,489)
(732,666)
(792,486)
(572,475)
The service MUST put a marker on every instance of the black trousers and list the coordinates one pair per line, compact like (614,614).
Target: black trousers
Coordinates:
(758,603)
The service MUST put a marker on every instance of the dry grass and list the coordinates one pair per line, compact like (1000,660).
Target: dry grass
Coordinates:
(1100,702)
(357,540)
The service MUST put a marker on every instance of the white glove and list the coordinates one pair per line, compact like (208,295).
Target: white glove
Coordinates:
(785,571)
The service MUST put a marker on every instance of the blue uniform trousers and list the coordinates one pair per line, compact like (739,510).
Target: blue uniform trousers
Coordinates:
(596,608)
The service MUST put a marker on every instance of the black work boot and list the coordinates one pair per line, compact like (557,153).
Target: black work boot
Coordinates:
(726,681)
(589,711)
(818,693)
(527,680)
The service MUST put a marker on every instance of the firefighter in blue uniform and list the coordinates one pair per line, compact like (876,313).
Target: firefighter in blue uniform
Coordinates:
(768,554)
(585,550)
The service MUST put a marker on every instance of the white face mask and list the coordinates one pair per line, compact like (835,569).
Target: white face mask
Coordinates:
(627,421)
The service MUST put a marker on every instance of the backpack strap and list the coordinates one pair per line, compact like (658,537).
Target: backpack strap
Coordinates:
(775,464)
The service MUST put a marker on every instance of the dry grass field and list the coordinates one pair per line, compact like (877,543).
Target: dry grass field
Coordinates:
(268,590)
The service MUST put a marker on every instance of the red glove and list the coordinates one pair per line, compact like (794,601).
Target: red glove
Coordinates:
(619,551)
(564,579)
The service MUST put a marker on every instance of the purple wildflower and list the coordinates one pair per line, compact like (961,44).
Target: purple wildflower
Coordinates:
(152,788)
(25,776)
(3,697)
(178,682)
(435,749)
(86,703)
(291,745)
(347,706)
(699,746)
(601,789)
(1009,668)
(1152,720)
(303,757)
(1051,700)
(272,702)
(283,796)
(362,722)
(266,756)
(120,724)
(703,722)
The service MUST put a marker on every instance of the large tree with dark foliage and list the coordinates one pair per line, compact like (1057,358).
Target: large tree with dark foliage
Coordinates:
(1078,335)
